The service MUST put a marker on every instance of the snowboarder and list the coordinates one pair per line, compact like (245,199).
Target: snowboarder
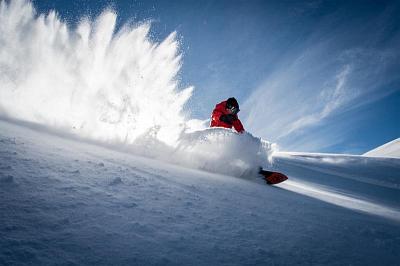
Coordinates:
(225,115)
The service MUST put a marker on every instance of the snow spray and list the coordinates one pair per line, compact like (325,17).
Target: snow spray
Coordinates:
(94,80)
(109,84)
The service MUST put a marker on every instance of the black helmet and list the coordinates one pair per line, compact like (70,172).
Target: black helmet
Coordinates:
(232,105)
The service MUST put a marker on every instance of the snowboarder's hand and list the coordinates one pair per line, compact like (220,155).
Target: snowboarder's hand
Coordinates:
(227,118)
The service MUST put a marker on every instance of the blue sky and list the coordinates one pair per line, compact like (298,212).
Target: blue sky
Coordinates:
(317,76)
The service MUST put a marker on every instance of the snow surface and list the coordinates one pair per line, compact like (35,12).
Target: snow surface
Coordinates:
(65,201)
(390,149)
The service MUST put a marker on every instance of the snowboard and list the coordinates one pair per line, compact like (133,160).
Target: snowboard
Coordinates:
(271,177)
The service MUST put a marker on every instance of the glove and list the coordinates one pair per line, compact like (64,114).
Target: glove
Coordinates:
(227,118)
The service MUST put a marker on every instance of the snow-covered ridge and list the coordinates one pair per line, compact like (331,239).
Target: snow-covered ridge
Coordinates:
(353,167)
(356,182)
(390,149)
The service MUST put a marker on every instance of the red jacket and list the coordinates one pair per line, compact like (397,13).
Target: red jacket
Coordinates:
(220,109)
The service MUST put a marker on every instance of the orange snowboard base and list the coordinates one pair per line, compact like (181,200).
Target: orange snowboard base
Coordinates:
(272,178)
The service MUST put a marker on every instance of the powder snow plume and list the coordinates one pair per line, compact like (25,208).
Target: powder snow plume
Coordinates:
(109,85)
(93,80)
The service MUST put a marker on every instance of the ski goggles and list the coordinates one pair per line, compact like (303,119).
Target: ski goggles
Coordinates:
(234,110)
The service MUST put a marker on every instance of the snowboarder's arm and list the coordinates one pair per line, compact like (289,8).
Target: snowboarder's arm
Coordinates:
(216,114)
(238,126)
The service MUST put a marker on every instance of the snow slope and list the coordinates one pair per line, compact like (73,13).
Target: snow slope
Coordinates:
(69,202)
(390,149)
